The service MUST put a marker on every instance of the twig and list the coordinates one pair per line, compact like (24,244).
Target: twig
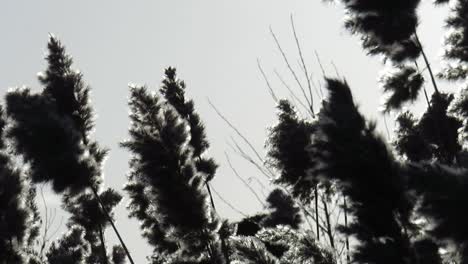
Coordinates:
(319,63)
(292,71)
(336,69)
(320,87)
(238,150)
(109,218)
(303,65)
(258,181)
(348,258)
(228,203)
(327,218)
(238,133)
(424,87)
(242,179)
(316,212)
(103,244)
(272,93)
(427,62)
(320,95)
(386,126)
(290,90)
(57,229)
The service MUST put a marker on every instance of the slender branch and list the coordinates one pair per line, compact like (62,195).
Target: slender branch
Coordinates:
(56,230)
(320,63)
(320,95)
(106,213)
(317,213)
(47,225)
(258,181)
(238,133)
(348,258)
(386,126)
(272,93)
(290,90)
(428,65)
(292,71)
(242,179)
(207,185)
(424,88)
(336,69)
(228,203)
(327,218)
(109,218)
(306,212)
(211,196)
(103,244)
(238,150)
(303,64)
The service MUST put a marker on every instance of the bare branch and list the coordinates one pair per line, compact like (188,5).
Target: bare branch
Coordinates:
(239,134)
(242,179)
(292,71)
(272,93)
(291,91)
(228,203)
(320,63)
(303,65)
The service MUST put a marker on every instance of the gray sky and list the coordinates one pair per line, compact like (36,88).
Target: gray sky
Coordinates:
(214,44)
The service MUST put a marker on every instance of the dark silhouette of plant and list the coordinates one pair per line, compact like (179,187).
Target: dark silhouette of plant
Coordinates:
(433,136)
(60,119)
(456,42)
(13,214)
(402,85)
(51,130)
(283,210)
(385,27)
(345,149)
(86,212)
(173,91)
(442,190)
(405,205)
(163,165)
(72,248)
(286,145)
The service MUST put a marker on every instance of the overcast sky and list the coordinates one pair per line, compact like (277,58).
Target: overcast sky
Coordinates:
(214,44)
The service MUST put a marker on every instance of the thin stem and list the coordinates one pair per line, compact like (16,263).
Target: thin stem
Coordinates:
(103,244)
(316,213)
(228,203)
(306,212)
(327,218)
(336,69)
(242,179)
(428,65)
(303,64)
(320,95)
(109,218)
(424,87)
(46,226)
(238,150)
(207,185)
(239,134)
(386,126)
(320,63)
(348,259)
(320,87)
(272,93)
(290,90)
(292,71)
(211,196)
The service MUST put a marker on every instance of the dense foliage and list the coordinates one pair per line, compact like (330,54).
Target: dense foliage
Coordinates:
(340,193)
